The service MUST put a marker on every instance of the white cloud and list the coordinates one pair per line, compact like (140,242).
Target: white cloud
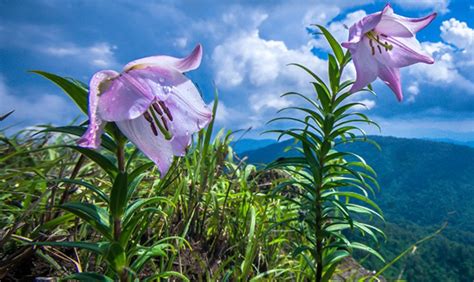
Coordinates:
(457,33)
(256,70)
(99,55)
(441,6)
(33,109)
(454,58)
(43,40)
(246,57)
(368,104)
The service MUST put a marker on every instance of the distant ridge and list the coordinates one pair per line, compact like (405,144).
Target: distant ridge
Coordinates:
(412,173)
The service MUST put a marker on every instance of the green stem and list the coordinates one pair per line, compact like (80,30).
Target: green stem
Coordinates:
(123,276)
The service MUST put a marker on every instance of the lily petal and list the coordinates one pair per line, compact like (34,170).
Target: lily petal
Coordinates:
(191,62)
(100,81)
(188,111)
(358,30)
(157,148)
(406,51)
(391,77)
(365,64)
(126,98)
(396,25)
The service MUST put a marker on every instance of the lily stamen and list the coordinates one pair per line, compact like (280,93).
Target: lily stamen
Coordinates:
(167,111)
(373,36)
(162,127)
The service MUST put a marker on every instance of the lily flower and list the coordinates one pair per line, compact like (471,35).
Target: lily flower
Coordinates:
(381,44)
(152,103)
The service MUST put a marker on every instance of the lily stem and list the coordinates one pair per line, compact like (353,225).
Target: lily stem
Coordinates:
(123,276)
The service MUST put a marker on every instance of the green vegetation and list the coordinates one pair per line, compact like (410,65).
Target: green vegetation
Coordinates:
(424,184)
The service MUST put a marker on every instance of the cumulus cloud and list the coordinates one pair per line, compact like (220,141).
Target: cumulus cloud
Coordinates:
(457,33)
(454,58)
(257,71)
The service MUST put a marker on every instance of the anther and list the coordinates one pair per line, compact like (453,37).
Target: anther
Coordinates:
(372,46)
(157,109)
(148,117)
(167,111)
(153,128)
(380,49)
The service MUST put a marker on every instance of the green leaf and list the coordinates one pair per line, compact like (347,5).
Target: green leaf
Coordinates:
(88,276)
(99,159)
(333,71)
(166,274)
(145,254)
(75,91)
(98,248)
(335,257)
(2,117)
(118,195)
(335,46)
(359,246)
(87,185)
(106,142)
(96,216)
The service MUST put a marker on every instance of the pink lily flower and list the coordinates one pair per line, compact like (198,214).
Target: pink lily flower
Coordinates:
(381,44)
(152,103)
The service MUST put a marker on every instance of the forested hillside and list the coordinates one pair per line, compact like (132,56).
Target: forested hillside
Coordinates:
(423,184)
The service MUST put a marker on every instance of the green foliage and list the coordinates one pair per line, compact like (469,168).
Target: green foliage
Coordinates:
(106,215)
(328,187)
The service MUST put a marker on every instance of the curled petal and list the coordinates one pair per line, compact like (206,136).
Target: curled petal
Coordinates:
(391,77)
(155,147)
(126,98)
(191,62)
(100,81)
(406,51)
(365,64)
(395,25)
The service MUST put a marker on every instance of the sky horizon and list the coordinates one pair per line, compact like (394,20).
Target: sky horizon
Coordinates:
(247,46)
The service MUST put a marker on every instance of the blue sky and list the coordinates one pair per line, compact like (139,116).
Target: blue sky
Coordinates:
(247,46)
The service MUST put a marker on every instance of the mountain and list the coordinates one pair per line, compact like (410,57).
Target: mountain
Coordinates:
(452,141)
(244,145)
(423,184)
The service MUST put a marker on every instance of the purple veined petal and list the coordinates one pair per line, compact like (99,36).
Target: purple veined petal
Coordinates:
(391,77)
(365,64)
(392,21)
(155,147)
(191,62)
(126,98)
(179,144)
(390,25)
(99,82)
(406,51)
(360,28)
(181,98)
